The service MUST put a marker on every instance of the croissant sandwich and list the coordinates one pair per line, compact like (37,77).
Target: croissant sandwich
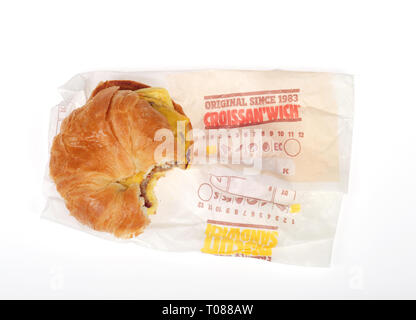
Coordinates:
(103,160)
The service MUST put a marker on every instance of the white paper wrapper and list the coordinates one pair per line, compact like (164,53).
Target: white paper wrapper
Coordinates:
(287,212)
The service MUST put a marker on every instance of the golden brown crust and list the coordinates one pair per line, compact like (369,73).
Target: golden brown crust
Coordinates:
(128,85)
(100,144)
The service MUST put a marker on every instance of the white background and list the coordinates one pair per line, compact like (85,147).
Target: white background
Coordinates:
(44,43)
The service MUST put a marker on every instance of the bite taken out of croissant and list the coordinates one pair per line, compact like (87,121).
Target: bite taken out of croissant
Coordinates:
(104,160)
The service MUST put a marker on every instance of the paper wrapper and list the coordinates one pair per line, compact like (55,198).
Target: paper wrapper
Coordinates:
(285,212)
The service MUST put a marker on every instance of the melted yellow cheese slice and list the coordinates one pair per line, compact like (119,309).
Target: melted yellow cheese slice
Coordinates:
(159,96)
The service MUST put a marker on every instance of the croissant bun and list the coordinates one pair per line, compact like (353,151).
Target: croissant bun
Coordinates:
(99,148)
